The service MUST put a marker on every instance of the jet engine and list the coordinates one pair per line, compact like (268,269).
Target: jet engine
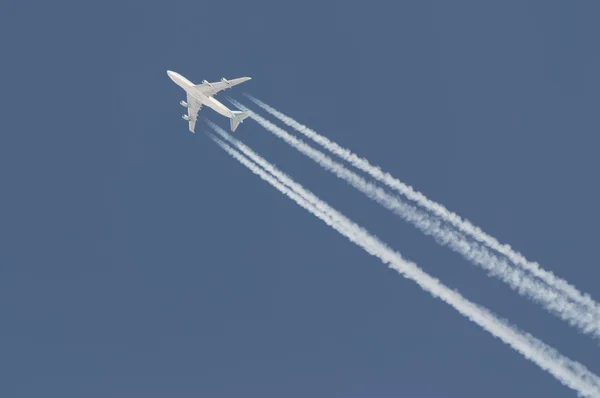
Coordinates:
(184,104)
(207,83)
(185,117)
(225,80)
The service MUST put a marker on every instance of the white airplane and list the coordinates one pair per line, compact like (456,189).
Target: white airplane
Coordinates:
(202,94)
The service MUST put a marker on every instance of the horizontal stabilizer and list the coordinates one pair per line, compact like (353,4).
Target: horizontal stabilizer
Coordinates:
(238,117)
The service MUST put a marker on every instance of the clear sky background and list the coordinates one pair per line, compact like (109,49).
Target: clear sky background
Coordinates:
(140,261)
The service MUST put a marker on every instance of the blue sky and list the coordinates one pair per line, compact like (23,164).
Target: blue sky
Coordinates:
(139,260)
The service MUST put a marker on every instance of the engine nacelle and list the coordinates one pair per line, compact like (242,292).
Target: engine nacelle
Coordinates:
(207,83)
(185,117)
(225,80)
(184,104)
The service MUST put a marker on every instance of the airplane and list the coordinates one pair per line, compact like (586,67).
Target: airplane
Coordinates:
(203,94)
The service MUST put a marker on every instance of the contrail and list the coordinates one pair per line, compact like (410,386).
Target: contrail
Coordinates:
(439,210)
(570,373)
(516,278)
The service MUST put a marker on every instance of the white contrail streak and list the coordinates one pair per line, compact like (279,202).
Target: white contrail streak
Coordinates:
(584,300)
(516,278)
(570,373)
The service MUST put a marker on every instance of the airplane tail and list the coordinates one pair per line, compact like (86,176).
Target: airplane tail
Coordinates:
(238,117)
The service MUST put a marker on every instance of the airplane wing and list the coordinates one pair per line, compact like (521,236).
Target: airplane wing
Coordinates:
(210,89)
(193,109)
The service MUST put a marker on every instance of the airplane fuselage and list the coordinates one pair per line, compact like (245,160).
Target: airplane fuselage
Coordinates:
(189,88)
